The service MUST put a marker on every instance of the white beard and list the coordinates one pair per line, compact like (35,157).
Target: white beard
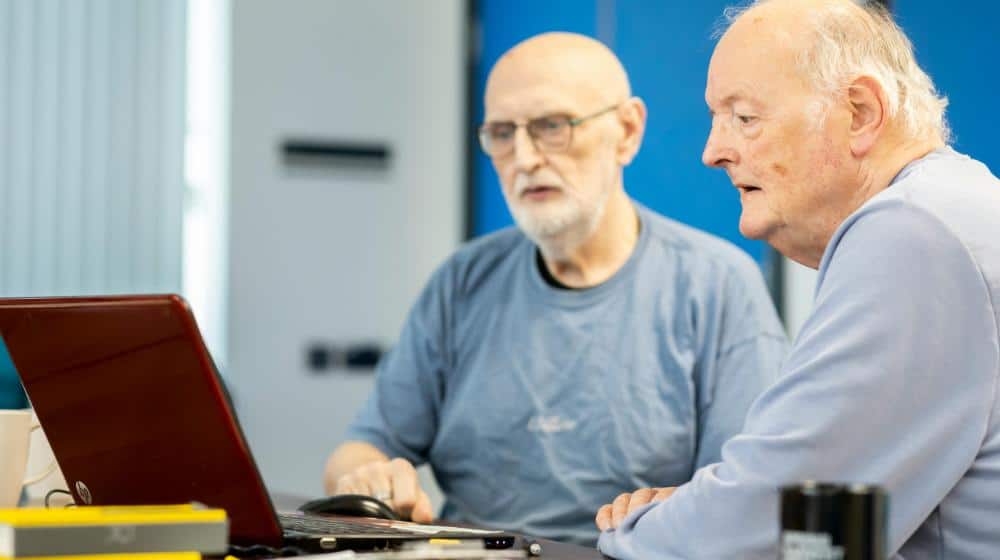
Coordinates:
(559,227)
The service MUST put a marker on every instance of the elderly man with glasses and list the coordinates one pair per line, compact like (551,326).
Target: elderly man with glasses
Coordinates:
(595,348)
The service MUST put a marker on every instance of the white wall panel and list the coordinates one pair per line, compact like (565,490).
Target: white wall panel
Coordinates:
(334,254)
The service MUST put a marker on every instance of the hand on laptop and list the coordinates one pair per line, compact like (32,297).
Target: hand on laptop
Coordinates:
(393,482)
(610,516)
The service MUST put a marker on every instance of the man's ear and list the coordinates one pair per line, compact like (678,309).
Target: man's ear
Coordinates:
(632,115)
(869,114)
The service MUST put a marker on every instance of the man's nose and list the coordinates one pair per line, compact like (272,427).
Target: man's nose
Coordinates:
(527,158)
(718,152)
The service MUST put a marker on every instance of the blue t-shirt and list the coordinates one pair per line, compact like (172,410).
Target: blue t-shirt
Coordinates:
(892,381)
(536,405)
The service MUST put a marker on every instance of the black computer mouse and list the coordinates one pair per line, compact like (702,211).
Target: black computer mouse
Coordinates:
(351,504)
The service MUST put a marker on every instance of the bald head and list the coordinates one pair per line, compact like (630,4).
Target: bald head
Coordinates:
(770,18)
(567,64)
(784,28)
(776,17)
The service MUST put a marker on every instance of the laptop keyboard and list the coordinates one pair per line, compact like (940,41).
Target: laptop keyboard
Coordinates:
(324,526)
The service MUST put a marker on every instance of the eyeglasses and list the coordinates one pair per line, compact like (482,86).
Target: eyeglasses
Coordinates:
(551,133)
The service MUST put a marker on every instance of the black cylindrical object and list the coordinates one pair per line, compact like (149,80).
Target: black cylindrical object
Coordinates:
(826,521)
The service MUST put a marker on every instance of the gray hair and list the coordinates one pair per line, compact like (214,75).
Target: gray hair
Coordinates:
(848,42)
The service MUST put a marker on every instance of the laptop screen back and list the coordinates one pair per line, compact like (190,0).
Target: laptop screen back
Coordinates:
(128,397)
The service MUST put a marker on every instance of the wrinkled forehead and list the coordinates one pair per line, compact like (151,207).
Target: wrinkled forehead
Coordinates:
(756,61)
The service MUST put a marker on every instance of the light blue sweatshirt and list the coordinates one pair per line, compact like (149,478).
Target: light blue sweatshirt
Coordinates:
(892,381)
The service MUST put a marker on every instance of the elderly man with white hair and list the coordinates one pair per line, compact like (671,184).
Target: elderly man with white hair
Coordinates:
(837,143)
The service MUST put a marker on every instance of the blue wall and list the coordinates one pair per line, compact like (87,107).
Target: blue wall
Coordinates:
(666,45)
(666,51)
(958,45)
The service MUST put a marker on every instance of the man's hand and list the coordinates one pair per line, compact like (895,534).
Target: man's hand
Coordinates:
(394,482)
(610,516)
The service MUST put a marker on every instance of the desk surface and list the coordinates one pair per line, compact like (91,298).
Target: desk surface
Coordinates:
(551,550)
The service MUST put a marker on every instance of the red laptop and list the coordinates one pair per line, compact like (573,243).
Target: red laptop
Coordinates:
(135,413)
